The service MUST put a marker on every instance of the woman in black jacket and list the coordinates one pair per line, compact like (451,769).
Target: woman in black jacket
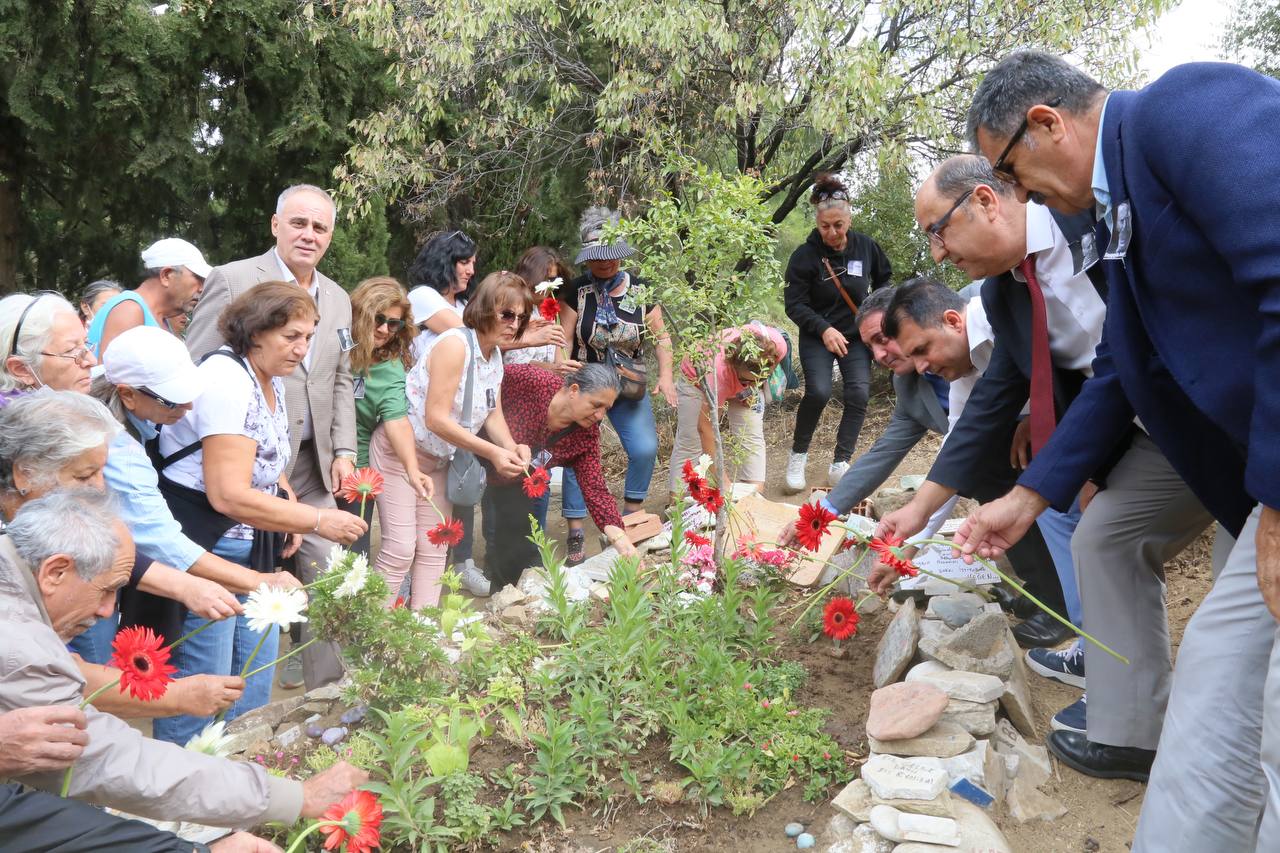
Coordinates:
(827,277)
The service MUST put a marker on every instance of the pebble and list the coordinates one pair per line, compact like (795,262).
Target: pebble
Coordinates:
(354,715)
(334,735)
(315,730)
(804,841)
(793,829)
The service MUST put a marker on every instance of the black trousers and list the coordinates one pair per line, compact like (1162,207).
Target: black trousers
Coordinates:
(818,362)
(36,822)
(508,549)
(1030,558)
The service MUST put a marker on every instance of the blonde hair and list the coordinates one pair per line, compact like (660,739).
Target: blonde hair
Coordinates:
(371,297)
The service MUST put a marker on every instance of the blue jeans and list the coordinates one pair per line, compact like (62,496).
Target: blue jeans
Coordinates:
(222,649)
(1057,528)
(633,420)
(94,645)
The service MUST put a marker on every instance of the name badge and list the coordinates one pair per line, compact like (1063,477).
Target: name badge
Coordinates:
(1084,254)
(628,304)
(543,457)
(491,398)
(357,387)
(345,341)
(1121,233)
(854,268)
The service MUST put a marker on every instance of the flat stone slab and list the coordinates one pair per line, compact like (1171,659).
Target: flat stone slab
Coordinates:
(902,826)
(942,740)
(904,710)
(958,684)
(897,646)
(1016,699)
(856,800)
(977,718)
(999,662)
(978,834)
(954,610)
(896,778)
(1027,802)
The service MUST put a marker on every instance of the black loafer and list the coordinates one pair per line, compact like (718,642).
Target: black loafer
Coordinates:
(1041,631)
(1097,759)
(1011,602)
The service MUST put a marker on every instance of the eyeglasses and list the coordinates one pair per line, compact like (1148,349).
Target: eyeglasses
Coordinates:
(1003,170)
(17,329)
(935,230)
(147,392)
(393,324)
(511,317)
(82,356)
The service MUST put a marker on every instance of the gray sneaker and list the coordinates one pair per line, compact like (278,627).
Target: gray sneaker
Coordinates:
(290,675)
(473,580)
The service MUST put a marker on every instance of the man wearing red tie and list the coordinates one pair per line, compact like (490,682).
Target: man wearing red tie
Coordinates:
(1047,314)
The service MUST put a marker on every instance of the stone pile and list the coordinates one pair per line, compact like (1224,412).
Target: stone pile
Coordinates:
(951,733)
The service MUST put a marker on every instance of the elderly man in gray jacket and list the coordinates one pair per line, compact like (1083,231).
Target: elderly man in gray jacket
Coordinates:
(56,579)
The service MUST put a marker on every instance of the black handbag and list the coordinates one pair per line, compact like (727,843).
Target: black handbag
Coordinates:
(633,373)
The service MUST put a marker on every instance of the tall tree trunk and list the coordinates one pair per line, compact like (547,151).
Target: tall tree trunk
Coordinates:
(10,208)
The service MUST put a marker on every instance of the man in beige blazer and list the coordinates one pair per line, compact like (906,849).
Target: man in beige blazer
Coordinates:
(318,395)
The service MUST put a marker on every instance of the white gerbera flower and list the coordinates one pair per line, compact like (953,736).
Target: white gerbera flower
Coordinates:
(336,555)
(356,578)
(212,741)
(703,465)
(271,606)
(549,286)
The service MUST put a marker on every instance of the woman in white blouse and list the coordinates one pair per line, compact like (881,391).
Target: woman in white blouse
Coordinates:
(436,387)
(438,280)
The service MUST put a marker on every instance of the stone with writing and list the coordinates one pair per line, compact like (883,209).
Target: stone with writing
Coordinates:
(893,778)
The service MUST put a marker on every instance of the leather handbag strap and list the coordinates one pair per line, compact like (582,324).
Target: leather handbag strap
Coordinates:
(835,279)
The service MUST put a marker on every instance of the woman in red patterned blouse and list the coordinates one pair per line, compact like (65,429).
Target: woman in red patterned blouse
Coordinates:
(559,419)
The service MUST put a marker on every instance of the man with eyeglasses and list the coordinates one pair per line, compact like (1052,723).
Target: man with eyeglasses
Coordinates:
(175,275)
(319,394)
(1181,179)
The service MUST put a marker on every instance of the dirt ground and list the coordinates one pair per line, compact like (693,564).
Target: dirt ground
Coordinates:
(1101,816)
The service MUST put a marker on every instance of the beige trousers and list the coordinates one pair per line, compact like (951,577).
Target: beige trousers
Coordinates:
(743,443)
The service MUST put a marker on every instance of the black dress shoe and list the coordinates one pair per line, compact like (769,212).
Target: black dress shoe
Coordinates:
(1040,631)
(1011,602)
(1097,759)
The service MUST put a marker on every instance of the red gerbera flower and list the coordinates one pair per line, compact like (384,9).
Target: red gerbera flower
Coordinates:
(689,474)
(694,539)
(447,532)
(815,519)
(711,499)
(143,661)
(887,549)
(536,483)
(840,619)
(362,483)
(357,821)
(549,308)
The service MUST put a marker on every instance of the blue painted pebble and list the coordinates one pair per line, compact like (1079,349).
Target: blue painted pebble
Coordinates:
(793,829)
(334,735)
(804,841)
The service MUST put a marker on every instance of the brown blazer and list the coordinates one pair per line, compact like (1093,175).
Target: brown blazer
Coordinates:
(326,387)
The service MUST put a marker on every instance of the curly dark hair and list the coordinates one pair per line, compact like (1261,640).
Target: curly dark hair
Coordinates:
(828,190)
(262,308)
(433,266)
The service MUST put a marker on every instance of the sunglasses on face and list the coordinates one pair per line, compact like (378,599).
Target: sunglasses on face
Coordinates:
(147,392)
(393,324)
(511,316)
(935,230)
(1003,170)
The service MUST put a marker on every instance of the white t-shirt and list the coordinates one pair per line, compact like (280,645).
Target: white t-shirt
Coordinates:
(232,404)
(484,394)
(434,303)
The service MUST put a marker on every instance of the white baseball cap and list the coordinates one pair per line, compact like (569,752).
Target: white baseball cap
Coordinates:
(149,357)
(172,252)
(420,303)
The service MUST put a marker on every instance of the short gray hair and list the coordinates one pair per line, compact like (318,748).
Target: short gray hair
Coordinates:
(1019,82)
(37,313)
(877,302)
(305,188)
(42,431)
(594,377)
(963,173)
(40,529)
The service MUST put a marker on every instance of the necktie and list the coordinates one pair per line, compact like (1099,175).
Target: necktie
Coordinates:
(1043,417)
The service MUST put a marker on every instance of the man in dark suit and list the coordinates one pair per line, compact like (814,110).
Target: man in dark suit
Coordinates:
(319,395)
(1182,178)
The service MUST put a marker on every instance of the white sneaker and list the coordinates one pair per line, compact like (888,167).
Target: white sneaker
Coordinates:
(473,580)
(795,471)
(835,472)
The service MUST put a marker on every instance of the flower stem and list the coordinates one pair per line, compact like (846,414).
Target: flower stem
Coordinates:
(280,659)
(308,831)
(262,639)
(192,633)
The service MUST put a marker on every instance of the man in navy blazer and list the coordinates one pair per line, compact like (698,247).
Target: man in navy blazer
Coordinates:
(1183,178)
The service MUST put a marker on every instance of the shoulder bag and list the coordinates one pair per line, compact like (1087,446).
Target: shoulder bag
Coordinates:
(466,478)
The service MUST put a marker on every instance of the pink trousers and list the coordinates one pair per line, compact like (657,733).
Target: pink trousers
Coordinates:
(404,519)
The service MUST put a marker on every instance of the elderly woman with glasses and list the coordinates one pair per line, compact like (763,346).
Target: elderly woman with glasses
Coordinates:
(382,327)
(44,345)
(827,278)
(437,391)
(58,439)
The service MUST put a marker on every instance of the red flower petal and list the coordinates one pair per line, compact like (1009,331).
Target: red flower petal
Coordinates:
(840,619)
(887,549)
(360,815)
(711,499)
(447,532)
(536,483)
(549,308)
(143,662)
(361,483)
(694,539)
(813,523)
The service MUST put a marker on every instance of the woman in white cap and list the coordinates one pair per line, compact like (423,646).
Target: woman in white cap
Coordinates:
(43,342)
(175,274)
(607,324)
